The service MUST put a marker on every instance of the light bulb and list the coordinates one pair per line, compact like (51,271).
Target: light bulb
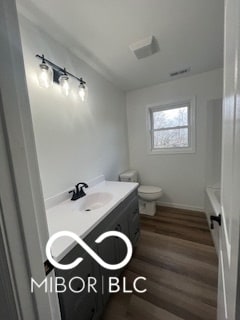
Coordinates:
(64,83)
(45,75)
(83,92)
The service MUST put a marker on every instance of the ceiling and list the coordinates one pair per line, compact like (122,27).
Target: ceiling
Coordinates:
(189,34)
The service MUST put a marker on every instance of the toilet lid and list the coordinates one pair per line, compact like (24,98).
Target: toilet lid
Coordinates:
(149,189)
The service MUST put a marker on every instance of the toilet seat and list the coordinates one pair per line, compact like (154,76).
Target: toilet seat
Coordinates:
(149,189)
(149,193)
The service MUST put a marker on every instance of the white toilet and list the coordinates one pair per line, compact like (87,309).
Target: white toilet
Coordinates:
(148,195)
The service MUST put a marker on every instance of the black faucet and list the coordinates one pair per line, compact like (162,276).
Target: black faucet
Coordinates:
(78,193)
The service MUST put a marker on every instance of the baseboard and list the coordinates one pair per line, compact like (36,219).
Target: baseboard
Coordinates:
(180,206)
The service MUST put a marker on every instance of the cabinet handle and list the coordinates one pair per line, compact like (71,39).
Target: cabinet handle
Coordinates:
(118,228)
(136,232)
(93,313)
(135,211)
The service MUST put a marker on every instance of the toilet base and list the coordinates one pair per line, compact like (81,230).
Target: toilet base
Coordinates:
(147,207)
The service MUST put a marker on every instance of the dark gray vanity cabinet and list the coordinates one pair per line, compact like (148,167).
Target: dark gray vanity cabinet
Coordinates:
(90,306)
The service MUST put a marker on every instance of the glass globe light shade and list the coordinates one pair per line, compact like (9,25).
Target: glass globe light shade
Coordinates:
(64,83)
(45,75)
(83,92)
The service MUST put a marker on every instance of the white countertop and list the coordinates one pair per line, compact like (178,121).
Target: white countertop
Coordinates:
(66,216)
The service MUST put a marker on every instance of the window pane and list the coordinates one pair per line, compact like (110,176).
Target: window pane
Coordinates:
(170,118)
(172,138)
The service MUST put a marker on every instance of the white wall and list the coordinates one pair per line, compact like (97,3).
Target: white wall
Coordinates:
(182,176)
(75,142)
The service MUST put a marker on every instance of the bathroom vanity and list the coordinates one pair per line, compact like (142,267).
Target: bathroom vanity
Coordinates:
(118,213)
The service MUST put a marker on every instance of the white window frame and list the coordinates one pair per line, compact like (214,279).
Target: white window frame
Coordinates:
(191,127)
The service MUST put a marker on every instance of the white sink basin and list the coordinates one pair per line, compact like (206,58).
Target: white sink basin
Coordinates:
(95,201)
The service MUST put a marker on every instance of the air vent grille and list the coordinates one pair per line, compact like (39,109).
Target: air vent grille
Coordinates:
(180,72)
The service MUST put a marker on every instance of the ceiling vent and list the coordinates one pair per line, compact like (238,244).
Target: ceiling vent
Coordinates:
(180,72)
(145,47)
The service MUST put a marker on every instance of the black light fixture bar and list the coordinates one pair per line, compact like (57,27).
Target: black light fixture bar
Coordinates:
(58,71)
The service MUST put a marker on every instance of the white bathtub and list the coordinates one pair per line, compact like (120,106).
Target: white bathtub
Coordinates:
(213,207)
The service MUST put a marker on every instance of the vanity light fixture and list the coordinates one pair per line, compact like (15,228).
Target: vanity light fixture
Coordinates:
(51,72)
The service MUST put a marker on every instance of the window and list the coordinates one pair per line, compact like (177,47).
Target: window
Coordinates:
(172,128)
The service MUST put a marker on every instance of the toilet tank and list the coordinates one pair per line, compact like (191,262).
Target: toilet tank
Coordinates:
(129,176)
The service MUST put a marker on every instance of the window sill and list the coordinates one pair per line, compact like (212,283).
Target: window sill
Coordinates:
(171,151)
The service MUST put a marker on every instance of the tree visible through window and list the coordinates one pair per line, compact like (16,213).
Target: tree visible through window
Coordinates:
(170,127)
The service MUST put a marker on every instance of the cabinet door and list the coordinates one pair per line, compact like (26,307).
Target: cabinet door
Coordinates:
(133,221)
(71,301)
(107,251)
(85,308)
(127,223)
(121,248)
(134,227)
